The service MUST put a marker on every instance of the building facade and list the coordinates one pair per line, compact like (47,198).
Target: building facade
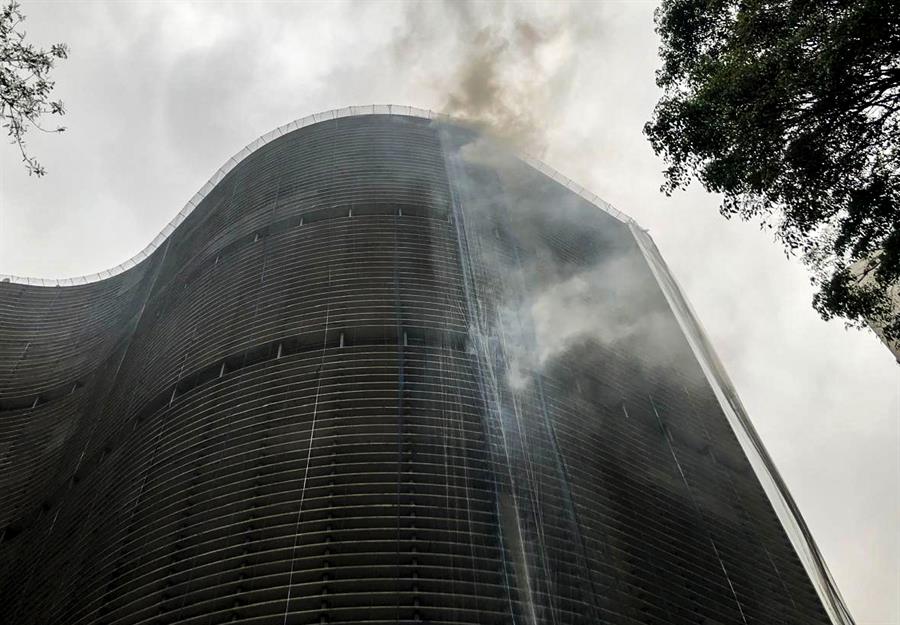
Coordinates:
(863,271)
(383,371)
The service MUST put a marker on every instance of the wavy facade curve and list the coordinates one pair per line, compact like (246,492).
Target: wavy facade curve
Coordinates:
(383,371)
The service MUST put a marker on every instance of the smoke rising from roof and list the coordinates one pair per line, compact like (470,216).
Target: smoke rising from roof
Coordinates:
(508,68)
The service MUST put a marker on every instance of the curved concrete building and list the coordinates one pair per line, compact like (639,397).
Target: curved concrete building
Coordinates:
(383,371)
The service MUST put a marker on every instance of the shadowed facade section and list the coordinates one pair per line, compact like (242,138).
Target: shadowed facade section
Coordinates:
(385,372)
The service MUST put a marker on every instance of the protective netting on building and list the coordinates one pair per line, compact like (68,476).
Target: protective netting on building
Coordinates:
(762,463)
(249,149)
(383,371)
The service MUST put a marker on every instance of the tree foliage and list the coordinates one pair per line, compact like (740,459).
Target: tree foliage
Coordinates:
(24,83)
(790,110)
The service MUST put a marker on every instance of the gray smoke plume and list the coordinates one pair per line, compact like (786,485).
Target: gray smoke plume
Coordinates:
(506,70)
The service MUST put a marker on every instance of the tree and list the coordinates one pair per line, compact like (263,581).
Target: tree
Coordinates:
(790,110)
(24,83)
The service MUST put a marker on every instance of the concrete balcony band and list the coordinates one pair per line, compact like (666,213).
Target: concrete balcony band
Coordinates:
(366,376)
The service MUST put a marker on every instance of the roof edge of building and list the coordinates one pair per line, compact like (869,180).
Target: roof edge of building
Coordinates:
(253,146)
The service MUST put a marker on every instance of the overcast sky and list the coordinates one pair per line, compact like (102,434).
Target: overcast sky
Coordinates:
(160,95)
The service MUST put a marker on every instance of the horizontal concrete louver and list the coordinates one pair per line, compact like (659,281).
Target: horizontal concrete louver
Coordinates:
(327,397)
